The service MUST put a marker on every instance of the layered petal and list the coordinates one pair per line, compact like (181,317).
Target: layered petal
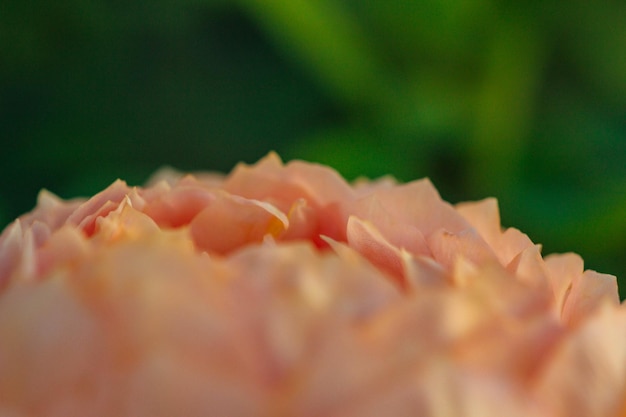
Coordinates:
(281,289)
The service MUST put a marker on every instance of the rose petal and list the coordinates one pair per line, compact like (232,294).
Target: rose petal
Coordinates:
(588,292)
(365,239)
(485,217)
(418,204)
(586,375)
(179,206)
(99,205)
(230,222)
(446,247)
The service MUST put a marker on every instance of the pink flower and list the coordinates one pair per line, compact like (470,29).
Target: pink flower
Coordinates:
(283,290)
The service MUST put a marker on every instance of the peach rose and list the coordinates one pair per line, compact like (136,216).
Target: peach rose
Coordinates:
(282,290)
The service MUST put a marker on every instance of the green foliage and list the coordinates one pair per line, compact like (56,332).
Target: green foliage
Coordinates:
(525,101)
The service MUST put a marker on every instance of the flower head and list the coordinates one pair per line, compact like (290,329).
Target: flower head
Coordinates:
(281,289)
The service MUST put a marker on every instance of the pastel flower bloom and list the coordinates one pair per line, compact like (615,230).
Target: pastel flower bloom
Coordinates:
(283,290)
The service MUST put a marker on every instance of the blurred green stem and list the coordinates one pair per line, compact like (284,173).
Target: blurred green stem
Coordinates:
(513,67)
(328,41)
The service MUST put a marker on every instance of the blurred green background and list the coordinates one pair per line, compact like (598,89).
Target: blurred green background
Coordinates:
(522,100)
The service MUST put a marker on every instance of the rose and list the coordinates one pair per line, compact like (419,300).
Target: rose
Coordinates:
(283,290)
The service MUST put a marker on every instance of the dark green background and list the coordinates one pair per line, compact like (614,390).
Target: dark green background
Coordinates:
(522,100)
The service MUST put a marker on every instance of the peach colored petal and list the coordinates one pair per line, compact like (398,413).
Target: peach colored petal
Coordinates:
(18,256)
(48,348)
(231,221)
(99,205)
(317,184)
(446,247)
(164,385)
(51,210)
(10,251)
(447,391)
(587,293)
(65,246)
(499,291)
(587,374)
(41,232)
(423,272)
(485,217)
(321,187)
(418,204)
(302,222)
(280,289)
(124,223)
(178,206)
(529,268)
(440,391)
(364,237)
(563,270)
(399,234)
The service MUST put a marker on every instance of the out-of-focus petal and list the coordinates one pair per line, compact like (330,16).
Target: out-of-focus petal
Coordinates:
(99,205)
(586,375)
(64,247)
(280,289)
(179,206)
